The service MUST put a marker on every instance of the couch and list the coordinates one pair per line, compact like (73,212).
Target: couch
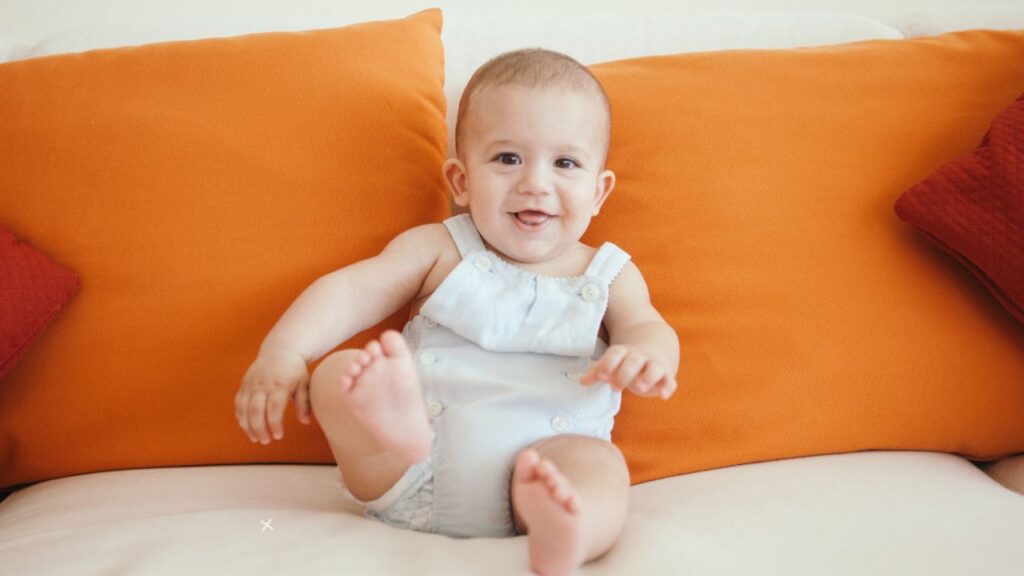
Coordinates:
(851,395)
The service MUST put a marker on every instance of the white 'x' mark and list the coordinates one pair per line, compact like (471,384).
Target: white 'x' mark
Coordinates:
(266,524)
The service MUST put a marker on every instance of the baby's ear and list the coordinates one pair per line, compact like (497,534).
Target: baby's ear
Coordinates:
(605,184)
(455,175)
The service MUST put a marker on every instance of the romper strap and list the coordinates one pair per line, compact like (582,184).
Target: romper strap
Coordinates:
(608,262)
(464,233)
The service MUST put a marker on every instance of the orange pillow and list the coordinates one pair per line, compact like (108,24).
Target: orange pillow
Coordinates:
(197,188)
(755,192)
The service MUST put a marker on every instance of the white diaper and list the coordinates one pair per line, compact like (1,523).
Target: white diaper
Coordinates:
(408,504)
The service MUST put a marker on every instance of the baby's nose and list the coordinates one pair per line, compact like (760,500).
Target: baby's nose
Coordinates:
(535,180)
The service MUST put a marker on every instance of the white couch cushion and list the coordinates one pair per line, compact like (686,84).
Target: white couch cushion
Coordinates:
(867,513)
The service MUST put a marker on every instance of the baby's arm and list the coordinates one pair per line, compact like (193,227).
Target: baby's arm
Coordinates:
(331,310)
(643,355)
(341,304)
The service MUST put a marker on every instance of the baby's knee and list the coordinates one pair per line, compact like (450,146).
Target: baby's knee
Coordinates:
(579,446)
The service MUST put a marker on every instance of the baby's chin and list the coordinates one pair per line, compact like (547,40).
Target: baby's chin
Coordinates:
(529,253)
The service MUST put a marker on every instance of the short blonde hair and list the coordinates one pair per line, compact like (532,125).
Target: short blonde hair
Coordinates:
(532,67)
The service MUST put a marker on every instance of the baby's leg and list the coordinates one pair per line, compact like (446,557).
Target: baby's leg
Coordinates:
(369,405)
(570,494)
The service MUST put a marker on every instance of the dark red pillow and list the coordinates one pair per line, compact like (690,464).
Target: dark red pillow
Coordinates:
(33,289)
(973,207)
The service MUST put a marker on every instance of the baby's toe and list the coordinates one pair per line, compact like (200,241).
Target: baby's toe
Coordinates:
(374,349)
(550,474)
(561,493)
(545,469)
(552,482)
(525,468)
(572,503)
(355,369)
(564,489)
(364,359)
(394,345)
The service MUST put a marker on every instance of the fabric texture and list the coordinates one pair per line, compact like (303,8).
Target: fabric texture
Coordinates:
(33,290)
(755,193)
(487,396)
(973,208)
(199,187)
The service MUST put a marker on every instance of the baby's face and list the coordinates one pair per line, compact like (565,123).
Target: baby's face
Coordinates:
(534,175)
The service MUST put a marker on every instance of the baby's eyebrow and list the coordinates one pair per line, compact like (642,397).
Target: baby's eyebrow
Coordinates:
(501,144)
(575,150)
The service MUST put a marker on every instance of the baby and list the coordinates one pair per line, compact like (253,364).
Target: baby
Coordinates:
(491,414)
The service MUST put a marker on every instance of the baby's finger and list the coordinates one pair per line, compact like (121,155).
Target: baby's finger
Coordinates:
(257,413)
(277,401)
(302,408)
(628,370)
(605,365)
(590,375)
(668,388)
(241,414)
(647,381)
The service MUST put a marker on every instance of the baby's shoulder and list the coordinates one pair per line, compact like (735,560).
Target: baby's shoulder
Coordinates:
(629,283)
(426,238)
(431,231)
(426,247)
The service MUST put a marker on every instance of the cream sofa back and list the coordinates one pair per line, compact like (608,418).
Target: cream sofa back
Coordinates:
(470,40)
(471,37)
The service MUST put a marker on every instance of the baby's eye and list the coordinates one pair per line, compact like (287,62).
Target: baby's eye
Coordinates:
(508,158)
(566,163)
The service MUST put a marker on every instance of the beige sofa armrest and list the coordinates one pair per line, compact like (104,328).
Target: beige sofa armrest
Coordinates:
(1009,472)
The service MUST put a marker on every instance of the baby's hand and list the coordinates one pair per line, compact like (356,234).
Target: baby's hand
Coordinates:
(625,368)
(273,378)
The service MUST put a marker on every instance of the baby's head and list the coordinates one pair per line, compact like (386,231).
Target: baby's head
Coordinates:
(531,141)
(532,68)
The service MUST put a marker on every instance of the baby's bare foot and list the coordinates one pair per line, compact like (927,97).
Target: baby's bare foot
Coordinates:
(383,391)
(550,510)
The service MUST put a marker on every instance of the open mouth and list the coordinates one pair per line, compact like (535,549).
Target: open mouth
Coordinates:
(532,218)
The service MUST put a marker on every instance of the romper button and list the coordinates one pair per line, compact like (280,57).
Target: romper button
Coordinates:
(429,323)
(559,423)
(591,292)
(426,358)
(574,376)
(435,408)
(483,263)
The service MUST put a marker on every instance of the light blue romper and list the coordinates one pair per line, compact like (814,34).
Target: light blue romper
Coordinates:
(499,352)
